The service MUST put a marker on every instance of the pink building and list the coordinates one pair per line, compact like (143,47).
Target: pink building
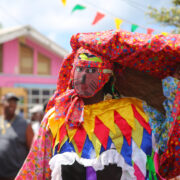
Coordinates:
(29,61)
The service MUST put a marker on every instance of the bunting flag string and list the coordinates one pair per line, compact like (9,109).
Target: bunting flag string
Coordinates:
(64,2)
(118,22)
(134,27)
(150,31)
(99,16)
(78,7)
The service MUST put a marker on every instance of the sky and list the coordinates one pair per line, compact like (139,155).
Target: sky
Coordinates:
(56,21)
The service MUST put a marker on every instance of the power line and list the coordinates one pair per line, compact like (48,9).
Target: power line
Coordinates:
(11,16)
(138,4)
(133,4)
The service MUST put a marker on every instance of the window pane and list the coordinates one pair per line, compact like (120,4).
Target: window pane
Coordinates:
(26,59)
(46,92)
(35,100)
(43,65)
(35,92)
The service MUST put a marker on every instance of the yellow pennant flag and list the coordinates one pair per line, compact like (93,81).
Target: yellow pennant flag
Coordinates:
(118,22)
(64,2)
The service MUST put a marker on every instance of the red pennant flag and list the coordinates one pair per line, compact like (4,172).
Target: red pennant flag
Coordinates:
(141,120)
(101,131)
(80,138)
(62,133)
(123,126)
(98,17)
(150,31)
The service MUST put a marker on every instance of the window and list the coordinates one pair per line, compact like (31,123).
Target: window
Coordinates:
(1,57)
(43,67)
(26,59)
(38,96)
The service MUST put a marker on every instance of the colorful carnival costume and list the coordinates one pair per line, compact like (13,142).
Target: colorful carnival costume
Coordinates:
(116,138)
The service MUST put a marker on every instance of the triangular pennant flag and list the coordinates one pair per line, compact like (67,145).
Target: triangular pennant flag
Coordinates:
(62,143)
(89,124)
(97,18)
(80,138)
(141,120)
(117,138)
(137,134)
(71,133)
(76,148)
(78,7)
(134,27)
(62,133)
(123,126)
(97,144)
(105,117)
(127,114)
(118,22)
(101,132)
(64,2)
(150,31)
(138,172)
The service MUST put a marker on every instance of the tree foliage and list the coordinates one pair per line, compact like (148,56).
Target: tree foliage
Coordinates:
(168,16)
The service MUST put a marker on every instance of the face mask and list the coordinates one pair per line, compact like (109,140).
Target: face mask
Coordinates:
(89,74)
(86,81)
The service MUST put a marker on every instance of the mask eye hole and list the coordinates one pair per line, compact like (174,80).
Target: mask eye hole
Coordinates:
(91,70)
(89,55)
(79,69)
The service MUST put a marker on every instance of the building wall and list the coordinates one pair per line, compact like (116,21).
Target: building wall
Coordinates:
(9,80)
(25,86)
(11,76)
(10,57)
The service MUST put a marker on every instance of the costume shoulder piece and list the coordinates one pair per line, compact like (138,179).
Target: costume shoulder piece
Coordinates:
(108,116)
(117,127)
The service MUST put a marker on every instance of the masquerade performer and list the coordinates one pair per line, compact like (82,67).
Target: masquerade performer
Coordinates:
(91,132)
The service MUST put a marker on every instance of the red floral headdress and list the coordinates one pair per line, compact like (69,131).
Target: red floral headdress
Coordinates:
(156,55)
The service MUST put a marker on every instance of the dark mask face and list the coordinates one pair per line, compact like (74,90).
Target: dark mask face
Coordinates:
(86,81)
(10,107)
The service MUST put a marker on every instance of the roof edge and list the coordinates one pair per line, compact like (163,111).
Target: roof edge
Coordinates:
(29,31)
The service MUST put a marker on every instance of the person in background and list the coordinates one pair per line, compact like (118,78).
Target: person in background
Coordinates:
(21,113)
(16,136)
(36,117)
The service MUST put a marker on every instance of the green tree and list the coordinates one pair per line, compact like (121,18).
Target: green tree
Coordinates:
(168,16)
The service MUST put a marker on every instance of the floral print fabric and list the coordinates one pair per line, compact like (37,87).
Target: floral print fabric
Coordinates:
(36,165)
(160,124)
(170,159)
(166,129)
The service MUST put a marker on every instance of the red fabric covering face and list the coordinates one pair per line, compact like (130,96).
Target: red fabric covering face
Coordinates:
(85,82)
(69,105)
